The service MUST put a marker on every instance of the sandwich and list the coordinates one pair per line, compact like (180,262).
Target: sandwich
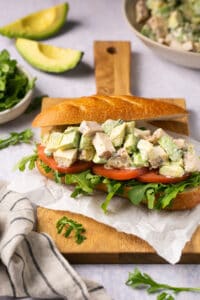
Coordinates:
(94,143)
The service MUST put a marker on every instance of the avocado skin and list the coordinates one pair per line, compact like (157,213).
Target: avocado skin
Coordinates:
(51,31)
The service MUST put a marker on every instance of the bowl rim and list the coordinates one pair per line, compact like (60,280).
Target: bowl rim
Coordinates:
(25,98)
(153,43)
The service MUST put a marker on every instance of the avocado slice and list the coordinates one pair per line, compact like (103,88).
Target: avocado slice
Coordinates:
(70,140)
(167,143)
(172,170)
(48,58)
(37,26)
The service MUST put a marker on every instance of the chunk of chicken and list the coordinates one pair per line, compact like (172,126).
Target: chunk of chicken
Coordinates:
(191,162)
(65,158)
(143,134)
(158,26)
(89,127)
(142,12)
(157,156)
(103,145)
(120,160)
(158,133)
(181,143)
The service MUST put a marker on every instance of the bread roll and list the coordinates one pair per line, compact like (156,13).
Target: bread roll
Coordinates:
(99,108)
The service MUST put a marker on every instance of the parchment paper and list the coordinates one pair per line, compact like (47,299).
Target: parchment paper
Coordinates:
(166,232)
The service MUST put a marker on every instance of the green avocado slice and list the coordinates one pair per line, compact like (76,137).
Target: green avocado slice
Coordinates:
(39,25)
(48,58)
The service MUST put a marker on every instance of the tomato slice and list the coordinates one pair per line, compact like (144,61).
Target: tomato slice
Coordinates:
(77,167)
(155,177)
(118,174)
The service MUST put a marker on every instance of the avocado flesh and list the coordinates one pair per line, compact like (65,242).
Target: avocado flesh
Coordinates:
(70,140)
(48,58)
(39,25)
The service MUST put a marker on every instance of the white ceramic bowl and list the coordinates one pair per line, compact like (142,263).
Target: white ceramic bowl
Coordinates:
(20,107)
(180,57)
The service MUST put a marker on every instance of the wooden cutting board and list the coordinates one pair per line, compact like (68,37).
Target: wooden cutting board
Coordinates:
(104,244)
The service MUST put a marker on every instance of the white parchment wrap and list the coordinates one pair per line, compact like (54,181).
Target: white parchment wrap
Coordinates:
(166,232)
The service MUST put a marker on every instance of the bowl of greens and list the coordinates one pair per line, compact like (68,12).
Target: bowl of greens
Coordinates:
(16,88)
(168,27)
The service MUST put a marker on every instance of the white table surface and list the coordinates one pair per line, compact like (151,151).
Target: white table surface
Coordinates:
(91,20)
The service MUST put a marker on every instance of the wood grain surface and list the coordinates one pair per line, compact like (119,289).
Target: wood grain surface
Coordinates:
(104,244)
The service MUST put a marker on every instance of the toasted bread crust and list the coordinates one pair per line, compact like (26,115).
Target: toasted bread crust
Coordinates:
(184,201)
(102,107)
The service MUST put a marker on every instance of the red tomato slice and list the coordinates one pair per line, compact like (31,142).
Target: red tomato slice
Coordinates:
(118,174)
(77,167)
(155,177)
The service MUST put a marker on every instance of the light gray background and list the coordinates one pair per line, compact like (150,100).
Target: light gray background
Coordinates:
(91,20)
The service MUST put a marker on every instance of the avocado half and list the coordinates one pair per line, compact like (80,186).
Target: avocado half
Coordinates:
(39,25)
(48,58)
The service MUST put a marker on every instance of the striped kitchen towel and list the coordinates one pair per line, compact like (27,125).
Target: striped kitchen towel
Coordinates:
(30,263)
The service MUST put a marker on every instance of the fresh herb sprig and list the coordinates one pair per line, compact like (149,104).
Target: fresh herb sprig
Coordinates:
(16,138)
(27,161)
(69,225)
(137,279)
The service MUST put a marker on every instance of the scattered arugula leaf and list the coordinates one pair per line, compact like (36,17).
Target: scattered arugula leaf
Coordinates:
(14,84)
(137,279)
(69,225)
(27,161)
(16,137)
(35,104)
(165,296)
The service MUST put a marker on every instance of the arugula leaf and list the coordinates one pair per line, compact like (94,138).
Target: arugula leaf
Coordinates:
(35,104)
(113,187)
(169,194)
(171,191)
(137,279)
(157,195)
(85,182)
(46,168)
(57,176)
(14,84)
(140,192)
(15,138)
(165,296)
(27,161)
(69,225)
(150,194)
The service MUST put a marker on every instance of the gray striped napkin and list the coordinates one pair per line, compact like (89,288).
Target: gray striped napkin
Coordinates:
(30,263)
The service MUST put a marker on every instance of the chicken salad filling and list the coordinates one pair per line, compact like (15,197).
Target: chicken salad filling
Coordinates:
(170,22)
(116,144)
